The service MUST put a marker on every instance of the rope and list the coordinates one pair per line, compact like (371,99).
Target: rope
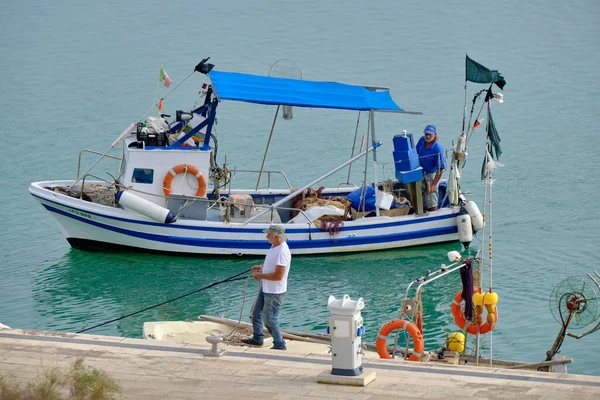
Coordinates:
(244,300)
(230,279)
(237,334)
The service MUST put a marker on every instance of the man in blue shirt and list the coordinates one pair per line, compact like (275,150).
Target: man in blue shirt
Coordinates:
(431,158)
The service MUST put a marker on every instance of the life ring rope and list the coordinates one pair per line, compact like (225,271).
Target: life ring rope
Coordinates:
(184,168)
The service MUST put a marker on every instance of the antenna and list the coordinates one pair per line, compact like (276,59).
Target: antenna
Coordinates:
(285,68)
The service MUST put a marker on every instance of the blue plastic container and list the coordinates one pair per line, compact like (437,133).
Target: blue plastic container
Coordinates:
(410,176)
(406,160)
(369,198)
(404,142)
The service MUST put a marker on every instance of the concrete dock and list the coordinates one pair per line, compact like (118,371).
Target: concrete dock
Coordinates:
(148,369)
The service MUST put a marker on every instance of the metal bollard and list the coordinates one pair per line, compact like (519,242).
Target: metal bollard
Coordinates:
(215,351)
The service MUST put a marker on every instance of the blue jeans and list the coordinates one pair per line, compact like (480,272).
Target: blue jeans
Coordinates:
(267,306)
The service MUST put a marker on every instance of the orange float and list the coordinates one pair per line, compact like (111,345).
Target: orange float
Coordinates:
(184,168)
(419,321)
(413,331)
(460,320)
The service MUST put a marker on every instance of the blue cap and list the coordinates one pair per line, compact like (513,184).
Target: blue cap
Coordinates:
(430,129)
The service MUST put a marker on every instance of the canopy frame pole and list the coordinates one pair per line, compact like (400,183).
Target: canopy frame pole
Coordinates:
(319,179)
(353,148)
(363,188)
(262,166)
(373,140)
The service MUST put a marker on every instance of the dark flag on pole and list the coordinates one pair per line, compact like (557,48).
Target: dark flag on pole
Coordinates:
(477,73)
(489,95)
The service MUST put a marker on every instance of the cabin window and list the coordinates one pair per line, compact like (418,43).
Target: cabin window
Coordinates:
(143,175)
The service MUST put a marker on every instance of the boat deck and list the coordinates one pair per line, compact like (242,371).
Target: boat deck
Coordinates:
(148,369)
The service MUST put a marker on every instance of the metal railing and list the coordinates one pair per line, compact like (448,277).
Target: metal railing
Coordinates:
(93,152)
(268,172)
(227,203)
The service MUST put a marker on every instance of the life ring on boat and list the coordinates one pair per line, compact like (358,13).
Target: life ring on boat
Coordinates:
(461,321)
(414,332)
(184,168)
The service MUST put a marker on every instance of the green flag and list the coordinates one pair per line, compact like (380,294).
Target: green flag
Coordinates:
(477,73)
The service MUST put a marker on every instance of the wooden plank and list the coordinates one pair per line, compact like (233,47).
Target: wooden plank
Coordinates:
(542,364)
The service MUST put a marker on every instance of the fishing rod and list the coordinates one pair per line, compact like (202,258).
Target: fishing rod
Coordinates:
(233,278)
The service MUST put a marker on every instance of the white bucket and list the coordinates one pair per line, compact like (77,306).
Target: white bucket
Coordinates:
(383,200)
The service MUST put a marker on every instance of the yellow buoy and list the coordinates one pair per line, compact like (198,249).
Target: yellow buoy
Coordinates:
(456,342)
(478,298)
(491,298)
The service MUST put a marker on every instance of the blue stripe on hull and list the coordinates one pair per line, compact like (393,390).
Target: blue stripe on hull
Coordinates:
(289,229)
(262,244)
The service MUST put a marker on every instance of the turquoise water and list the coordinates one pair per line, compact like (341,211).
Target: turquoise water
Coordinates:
(75,75)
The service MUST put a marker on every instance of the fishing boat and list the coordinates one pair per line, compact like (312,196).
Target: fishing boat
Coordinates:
(172,195)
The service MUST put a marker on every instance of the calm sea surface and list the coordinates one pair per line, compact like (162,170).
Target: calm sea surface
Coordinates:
(75,74)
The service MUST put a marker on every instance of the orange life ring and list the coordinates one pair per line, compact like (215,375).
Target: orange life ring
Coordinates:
(415,333)
(184,168)
(460,320)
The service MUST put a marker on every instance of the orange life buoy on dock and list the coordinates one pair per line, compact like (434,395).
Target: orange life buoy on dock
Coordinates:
(415,333)
(460,320)
(184,168)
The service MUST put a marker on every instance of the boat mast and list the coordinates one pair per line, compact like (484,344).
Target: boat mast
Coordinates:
(262,166)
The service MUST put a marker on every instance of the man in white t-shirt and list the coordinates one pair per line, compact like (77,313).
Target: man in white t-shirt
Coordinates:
(273,275)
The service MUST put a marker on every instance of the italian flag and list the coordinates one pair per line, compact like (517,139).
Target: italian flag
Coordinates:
(164,78)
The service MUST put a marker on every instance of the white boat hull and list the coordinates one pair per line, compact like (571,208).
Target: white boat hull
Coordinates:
(89,225)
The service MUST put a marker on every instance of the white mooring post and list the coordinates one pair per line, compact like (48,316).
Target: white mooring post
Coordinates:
(346,330)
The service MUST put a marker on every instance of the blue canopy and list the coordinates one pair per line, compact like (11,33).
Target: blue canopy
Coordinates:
(299,93)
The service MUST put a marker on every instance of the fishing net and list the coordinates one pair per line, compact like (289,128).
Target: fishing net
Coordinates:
(576,295)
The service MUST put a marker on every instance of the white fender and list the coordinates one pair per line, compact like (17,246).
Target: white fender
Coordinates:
(452,189)
(465,231)
(476,217)
(145,207)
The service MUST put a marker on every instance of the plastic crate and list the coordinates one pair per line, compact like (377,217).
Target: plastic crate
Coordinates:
(150,138)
